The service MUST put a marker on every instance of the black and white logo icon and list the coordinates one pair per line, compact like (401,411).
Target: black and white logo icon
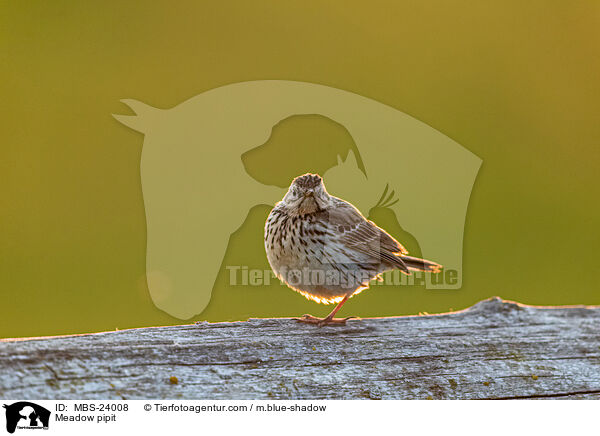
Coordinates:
(26,415)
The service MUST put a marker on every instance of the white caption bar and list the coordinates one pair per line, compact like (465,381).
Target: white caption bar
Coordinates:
(23,417)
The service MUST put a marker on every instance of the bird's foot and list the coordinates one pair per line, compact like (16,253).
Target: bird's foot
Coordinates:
(322,322)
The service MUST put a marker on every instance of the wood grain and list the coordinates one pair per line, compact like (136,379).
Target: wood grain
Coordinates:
(493,350)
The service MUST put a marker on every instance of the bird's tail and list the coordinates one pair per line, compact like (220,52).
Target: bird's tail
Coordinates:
(416,264)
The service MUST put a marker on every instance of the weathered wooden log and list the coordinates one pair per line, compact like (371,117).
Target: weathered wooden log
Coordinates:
(495,349)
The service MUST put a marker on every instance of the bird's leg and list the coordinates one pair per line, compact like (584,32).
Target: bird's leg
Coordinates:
(329,319)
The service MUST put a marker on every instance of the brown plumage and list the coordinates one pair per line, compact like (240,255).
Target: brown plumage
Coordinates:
(324,248)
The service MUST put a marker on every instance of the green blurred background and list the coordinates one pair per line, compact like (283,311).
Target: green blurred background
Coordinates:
(517,83)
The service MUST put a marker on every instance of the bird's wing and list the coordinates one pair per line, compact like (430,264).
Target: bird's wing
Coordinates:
(357,233)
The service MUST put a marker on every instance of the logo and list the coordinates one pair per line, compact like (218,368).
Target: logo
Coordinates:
(209,162)
(26,415)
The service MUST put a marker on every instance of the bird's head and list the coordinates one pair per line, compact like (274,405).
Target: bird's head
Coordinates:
(306,195)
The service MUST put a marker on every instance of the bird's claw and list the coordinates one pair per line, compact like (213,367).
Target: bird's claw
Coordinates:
(322,322)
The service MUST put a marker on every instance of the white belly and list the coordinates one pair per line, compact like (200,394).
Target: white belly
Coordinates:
(318,271)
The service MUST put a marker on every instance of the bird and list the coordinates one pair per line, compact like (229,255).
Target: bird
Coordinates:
(323,247)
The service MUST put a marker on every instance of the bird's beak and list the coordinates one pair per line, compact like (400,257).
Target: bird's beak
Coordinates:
(309,194)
